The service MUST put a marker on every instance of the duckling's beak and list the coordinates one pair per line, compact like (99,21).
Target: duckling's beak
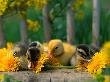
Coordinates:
(33,56)
(31,65)
(50,54)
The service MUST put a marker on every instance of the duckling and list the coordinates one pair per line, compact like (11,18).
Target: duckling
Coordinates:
(61,51)
(84,54)
(86,51)
(34,52)
(19,51)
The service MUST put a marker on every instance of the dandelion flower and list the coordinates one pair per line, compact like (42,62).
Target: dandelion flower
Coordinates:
(53,61)
(99,61)
(8,62)
(106,45)
(40,63)
(10,45)
(3,52)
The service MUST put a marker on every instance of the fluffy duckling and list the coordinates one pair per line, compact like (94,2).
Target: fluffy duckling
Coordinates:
(63,52)
(28,54)
(84,55)
(86,52)
(20,51)
(34,52)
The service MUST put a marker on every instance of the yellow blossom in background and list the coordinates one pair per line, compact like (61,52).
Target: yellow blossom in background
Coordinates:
(80,15)
(80,1)
(29,3)
(3,6)
(99,61)
(8,62)
(16,3)
(33,25)
(76,5)
(40,63)
(39,4)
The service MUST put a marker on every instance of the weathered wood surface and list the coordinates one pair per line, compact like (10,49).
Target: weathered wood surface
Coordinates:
(61,75)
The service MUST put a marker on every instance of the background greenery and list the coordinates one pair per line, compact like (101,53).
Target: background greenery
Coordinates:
(83,23)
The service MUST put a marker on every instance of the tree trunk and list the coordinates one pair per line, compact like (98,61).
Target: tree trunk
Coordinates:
(23,29)
(2,40)
(70,25)
(46,23)
(96,22)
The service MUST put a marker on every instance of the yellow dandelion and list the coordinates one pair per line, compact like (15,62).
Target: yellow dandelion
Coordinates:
(82,64)
(53,61)
(9,62)
(3,6)
(40,63)
(10,45)
(106,45)
(99,61)
(3,52)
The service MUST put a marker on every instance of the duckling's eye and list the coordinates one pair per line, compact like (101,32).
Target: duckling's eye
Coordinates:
(82,54)
(15,53)
(56,47)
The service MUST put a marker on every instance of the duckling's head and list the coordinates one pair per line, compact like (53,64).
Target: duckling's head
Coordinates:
(86,51)
(55,48)
(33,53)
(83,51)
(20,49)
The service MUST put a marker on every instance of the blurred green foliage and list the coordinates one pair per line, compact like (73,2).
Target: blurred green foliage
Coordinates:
(83,25)
(9,78)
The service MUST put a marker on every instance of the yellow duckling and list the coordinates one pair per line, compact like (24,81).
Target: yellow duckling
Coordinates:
(63,52)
